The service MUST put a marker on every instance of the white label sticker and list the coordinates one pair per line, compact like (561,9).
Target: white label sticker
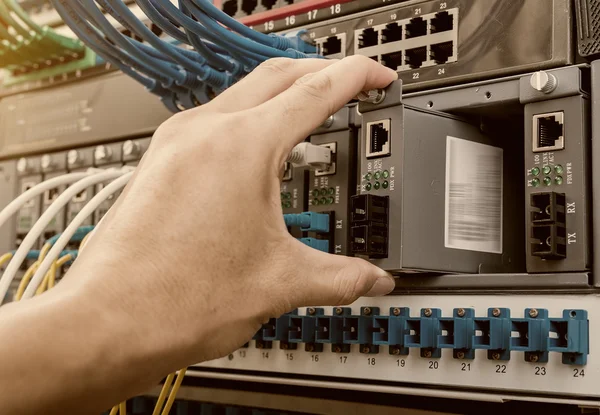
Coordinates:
(473,196)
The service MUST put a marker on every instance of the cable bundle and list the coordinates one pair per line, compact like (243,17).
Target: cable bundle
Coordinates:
(210,50)
(26,46)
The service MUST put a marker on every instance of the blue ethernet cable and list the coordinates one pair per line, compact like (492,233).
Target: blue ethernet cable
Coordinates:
(119,11)
(34,255)
(233,38)
(107,51)
(213,57)
(100,21)
(78,236)
(273,40)
(308,221)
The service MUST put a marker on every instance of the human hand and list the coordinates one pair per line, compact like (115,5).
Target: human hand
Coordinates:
(195,251)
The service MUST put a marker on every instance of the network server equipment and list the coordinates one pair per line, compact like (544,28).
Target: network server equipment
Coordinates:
(471,182)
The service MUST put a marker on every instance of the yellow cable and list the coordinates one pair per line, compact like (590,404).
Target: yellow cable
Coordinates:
(5,258)
(44,252)
(123,408)
(163,394)
(25,280)
(174,391)
(50,276)
(114,410)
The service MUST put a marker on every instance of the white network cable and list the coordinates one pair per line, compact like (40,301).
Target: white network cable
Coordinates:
(37,229)
(14,206)
(65,237)
(310,155)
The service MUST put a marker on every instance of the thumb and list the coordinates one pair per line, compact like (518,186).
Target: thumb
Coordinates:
(326,279)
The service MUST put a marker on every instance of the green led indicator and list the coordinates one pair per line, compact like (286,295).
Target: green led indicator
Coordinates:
(385,184)
(368,186)
(558,180)
(331,191)
(377,175)
(287,205)
(323,201)
(535,171)
(368,176)
(535,182)
(558,169)
(315,202)
(376,186)
(385,174)
(323,192)
(547,181)
(315,192)
(547,170)
(330,200)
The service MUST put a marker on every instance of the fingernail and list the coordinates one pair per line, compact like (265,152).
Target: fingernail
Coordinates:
(384,285)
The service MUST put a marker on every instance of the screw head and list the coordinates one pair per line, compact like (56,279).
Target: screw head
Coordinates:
(496,312)
(367,311)
(394,351)
(460,355)
(337,349)
(259,345)
(533,313)
(311,311)
(337,310)
(284,346)
(534,358)
(543,81)
(309,347)
(427,312)
(396,311)
(366,349)
(230,357)
(427,353)
(496,356)
(328,122)
(374,96)
(460,312)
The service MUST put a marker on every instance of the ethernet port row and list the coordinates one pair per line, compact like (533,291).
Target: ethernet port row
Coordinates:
(392,60)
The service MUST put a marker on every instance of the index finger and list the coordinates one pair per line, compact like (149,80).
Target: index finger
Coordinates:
(293,114)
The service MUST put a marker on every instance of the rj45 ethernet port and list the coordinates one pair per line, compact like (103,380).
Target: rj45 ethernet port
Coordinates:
(334,45)
(441,52)
(416,27)
(392,32)
(442,22)
(392,60)
(368,37)
(414,58)
(230,7)
(549,132)
(248,6)
(268,4)
(378,139)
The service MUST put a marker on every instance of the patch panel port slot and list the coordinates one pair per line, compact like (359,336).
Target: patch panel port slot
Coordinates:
(442,22)
(441,52)
(367,38)
(248,6)
(230,7)
(520,334)
(415,57)
(392,60)
(268,4)
(416,27)
(392,32)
